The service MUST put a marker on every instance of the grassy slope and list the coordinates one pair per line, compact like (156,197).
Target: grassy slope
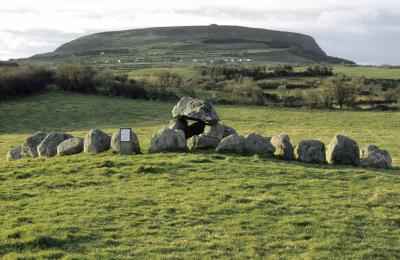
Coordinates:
(199,205)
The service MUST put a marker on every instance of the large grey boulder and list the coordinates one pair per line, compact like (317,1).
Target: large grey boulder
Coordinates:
(15,154)
(372,156)
(283,147)
(220,131)
(70,146)
(202,142)
(48,147)
(195,109)
(134,141)
(168,140)
(343,150)
(231,144)
(96,141)
(178,124)
(31,143)
(310,151)
(258,144)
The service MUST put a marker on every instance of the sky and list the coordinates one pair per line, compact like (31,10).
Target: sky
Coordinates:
(365,31)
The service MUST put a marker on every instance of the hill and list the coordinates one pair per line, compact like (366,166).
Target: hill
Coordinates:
(191,45)
(194,205)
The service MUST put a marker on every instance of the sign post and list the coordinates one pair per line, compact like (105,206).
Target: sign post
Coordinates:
(125,142)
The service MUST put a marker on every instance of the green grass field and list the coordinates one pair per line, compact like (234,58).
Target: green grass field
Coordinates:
(198,205)
(369,72)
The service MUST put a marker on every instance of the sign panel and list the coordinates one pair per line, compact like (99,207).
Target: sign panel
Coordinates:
(125,134)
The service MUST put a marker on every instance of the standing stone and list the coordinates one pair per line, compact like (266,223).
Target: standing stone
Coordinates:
(372,156)
(96,141)
(70,146)
(48,147)
(310,151)
(257,144)
(134,141)
(168,140)
(202,142)
(31,143)
(283,147)
(220,131)
(195,109)
(231,144)
(343,150)
(178,124)
(15,154)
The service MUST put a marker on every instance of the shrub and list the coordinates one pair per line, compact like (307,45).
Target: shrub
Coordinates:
(75,77)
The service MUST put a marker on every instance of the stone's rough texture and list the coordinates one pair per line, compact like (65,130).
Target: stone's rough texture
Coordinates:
(178,123)
(195,109)
(203,141)
(134,140)
(310,151)
(257,144)
(231,144)
(48,147)
(220,131)
(15,154)
(343,150)
(96,141)
(31,144)
(372,156)
(168,140)
(283,147)
(70,146)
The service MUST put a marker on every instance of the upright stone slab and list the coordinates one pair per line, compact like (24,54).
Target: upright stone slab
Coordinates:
(343,150)
(373,156)
(195,109)
(96,141)
(48,147)
(258,144)
(283,147)
(133,142)
(168,140)
(310,151)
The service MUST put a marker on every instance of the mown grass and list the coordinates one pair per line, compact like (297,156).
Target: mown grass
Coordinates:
(200,205)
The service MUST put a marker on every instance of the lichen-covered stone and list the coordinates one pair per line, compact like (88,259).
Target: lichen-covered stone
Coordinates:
(203,141)
(96,141)
(70,146)
(310,151)
(372,156)
(231,144)
(166,140)
(195,109)
(343,150)
(48,147)
(258,144)
(134,141)
(283,147)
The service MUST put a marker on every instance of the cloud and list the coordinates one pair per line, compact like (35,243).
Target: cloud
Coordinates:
(364,31)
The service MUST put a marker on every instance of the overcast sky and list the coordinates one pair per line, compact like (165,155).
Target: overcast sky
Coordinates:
(365,31)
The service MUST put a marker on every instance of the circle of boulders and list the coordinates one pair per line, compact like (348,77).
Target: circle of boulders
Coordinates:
(206,133)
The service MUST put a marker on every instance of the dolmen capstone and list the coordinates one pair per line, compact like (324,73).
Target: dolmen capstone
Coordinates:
(283,147)
(343,150)
(48,147)
(70,146)
(134,141)
(168,140)
(96,141)
(373,156)
(310,151)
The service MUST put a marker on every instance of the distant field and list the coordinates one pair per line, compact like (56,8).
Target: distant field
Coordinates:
(370,72)
(199,205)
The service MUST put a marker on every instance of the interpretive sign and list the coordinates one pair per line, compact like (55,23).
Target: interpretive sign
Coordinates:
(125,141)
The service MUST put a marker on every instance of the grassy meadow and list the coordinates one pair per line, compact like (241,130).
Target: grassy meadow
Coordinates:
(195,205)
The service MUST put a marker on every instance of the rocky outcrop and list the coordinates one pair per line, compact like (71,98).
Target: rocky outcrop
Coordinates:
(134,142)
(96,141)
(373,156)
(343,150)
(70,146)
(283,147)
(48,147)
(231,144)
(310,151)
(257,144)
(195,109)
(168,140)
(202,142)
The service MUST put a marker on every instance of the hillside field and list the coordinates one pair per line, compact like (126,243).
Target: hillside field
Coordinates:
(194,205)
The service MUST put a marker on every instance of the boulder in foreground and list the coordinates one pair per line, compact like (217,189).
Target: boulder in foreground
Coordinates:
(70,146)
(195,109)
(372,156)
(231,144)
(283,147)
(343,150)
(168,140)
(96,141)
(48,147)
(258,144)
(134,141)
(310,151)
